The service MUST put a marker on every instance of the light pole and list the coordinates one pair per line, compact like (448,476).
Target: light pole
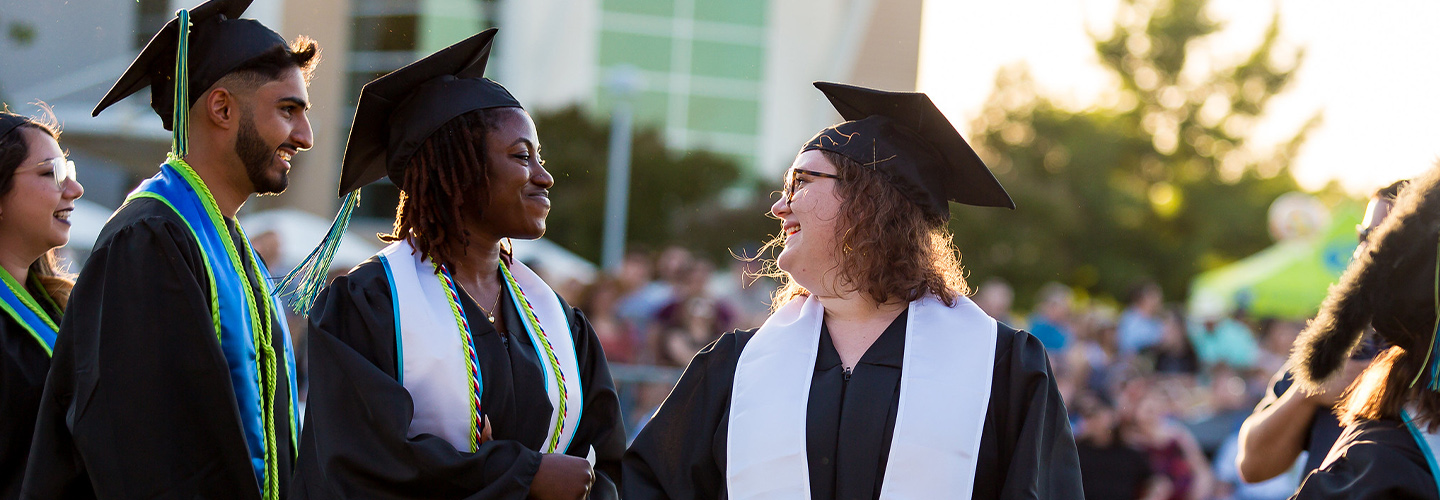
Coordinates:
(623,82)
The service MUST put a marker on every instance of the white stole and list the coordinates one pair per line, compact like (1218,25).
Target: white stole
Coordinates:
(944,395)
(432,361)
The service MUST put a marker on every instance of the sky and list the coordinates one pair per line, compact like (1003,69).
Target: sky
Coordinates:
(1372,69)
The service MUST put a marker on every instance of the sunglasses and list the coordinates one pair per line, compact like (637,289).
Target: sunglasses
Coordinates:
(62,168)
(792,183)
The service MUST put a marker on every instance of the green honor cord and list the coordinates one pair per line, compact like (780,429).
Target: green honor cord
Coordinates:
(263,336)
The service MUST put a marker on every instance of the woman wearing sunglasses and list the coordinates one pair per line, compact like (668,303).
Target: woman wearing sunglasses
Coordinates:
(37,193)
(875,377)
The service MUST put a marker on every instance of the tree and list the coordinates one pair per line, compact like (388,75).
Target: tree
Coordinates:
(1160,184)
(668,189)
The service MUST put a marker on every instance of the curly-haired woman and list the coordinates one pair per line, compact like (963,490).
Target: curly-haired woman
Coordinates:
(875,376)
(37,193)
(442,367)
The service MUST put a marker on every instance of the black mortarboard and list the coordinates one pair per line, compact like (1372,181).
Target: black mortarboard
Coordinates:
(398,111)
(9,121)
(904,135)
(220,42)
(1391,285)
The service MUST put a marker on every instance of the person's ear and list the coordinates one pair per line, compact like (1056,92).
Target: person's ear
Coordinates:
(220,108)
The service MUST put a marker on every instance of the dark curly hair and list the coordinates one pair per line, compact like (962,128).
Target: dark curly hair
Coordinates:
(54,281)
(890,249)
(447,178)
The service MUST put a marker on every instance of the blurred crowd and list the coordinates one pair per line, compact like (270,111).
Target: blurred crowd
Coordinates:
(1156,398)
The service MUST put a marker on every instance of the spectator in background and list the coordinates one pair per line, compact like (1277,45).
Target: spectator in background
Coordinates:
(692,320)
(743,288)
(1051,320)
(1141,324)
(1222,339)
(1173,452)
(1276,337)
(996,297)
(641,305)
(1173,354)
(1110,469)
(1288,422)
(617,336)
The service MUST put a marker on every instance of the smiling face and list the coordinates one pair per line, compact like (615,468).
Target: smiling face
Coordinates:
(273,128)
(809,212)
(519,196)
(35,212)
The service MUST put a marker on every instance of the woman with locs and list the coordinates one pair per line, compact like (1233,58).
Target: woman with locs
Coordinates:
(443,367)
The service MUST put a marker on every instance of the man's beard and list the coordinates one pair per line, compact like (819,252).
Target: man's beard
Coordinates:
(257,157)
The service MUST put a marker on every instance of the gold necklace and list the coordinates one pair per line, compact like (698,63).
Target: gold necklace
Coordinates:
(490,313)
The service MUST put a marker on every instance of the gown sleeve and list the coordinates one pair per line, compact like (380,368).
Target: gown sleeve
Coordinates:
(680,453)
(138,403)
(1372,460)
(601,426)
(355,442)
(1027,449)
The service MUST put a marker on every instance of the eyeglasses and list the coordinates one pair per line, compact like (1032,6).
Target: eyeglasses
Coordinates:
(62,168)
(792,183)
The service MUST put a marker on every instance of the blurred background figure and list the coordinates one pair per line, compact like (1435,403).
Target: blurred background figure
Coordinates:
(996,297)
(1051,320)
(1141,325)
(1172,450)
(1223,340)
(1110,468)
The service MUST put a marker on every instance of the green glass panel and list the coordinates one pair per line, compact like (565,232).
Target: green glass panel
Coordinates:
(384,33)
(644,52)
(747,12)
(651,107)
(444,22)
(651,7)
(718,114)
(726,60)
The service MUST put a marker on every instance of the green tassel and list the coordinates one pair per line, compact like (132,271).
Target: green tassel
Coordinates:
(304,283)
(180,119)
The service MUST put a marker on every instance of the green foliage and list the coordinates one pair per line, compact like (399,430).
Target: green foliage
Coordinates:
(673,195)
(1159,184)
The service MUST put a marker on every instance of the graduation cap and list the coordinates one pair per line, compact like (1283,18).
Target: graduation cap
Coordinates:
(396,114)
(1392,285)
(905,136)
(195,49)
(398,111)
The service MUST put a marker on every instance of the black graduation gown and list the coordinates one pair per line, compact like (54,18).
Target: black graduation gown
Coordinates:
(1026,447)
(139,403)
(23,365)
(355,442)
(1377,459)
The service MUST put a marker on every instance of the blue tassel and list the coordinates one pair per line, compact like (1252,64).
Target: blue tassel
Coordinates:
(180,117)
(303,284)
(1435,365)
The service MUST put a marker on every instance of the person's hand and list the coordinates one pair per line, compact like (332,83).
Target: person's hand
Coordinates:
(562,477)
(485,432)
(1330,393)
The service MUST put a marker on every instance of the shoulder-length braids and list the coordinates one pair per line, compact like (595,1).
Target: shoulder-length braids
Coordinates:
(447,178)
(890,249)
(54,281)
